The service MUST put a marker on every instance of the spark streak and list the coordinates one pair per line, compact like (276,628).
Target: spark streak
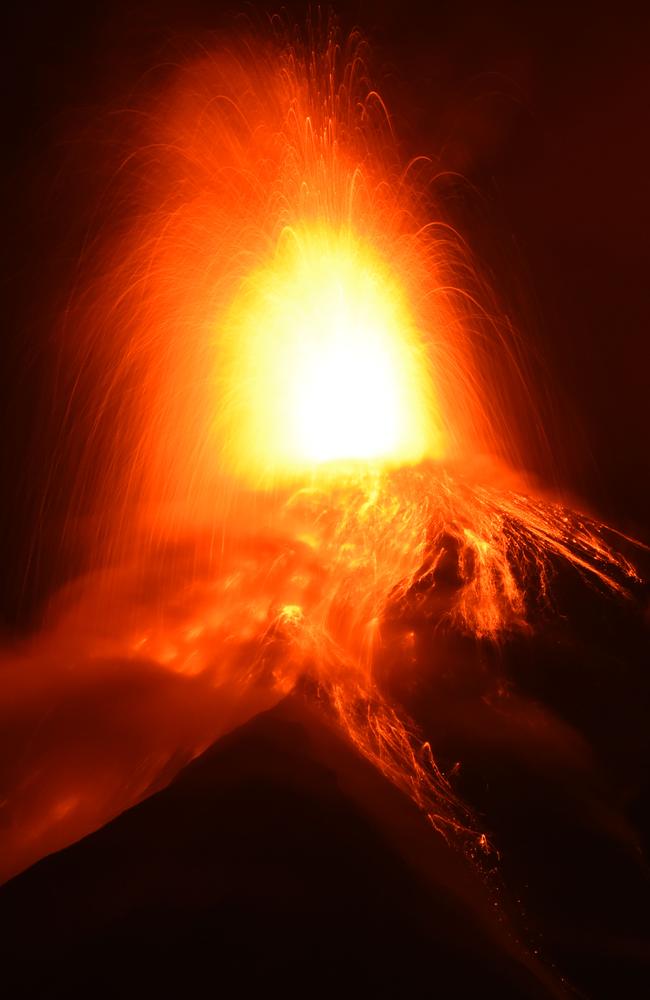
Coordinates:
(289,364)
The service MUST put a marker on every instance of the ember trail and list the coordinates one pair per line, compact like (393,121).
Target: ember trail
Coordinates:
(289,360)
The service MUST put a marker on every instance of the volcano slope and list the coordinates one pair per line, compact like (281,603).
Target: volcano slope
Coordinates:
(280,859)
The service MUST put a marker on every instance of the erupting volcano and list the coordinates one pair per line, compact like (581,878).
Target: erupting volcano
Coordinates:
(300,423)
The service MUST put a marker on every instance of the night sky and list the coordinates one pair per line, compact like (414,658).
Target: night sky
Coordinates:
(537,116)
(542,110)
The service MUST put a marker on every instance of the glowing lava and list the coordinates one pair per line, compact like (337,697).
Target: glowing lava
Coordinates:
(277,301)
(320,362)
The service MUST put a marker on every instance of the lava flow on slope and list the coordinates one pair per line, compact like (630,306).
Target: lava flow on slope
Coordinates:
(296,415)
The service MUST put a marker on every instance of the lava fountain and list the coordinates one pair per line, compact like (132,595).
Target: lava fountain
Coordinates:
(293,376)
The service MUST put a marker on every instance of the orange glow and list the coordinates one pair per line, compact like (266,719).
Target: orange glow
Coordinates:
(320,362)
(285,299)
(293,372)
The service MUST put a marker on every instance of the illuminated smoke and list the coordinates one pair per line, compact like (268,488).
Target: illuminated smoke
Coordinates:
(293,380)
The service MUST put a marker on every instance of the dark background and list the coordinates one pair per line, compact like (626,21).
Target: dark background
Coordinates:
(544,110)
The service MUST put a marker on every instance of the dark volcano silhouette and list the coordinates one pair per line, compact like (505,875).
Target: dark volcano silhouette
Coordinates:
(279,861)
